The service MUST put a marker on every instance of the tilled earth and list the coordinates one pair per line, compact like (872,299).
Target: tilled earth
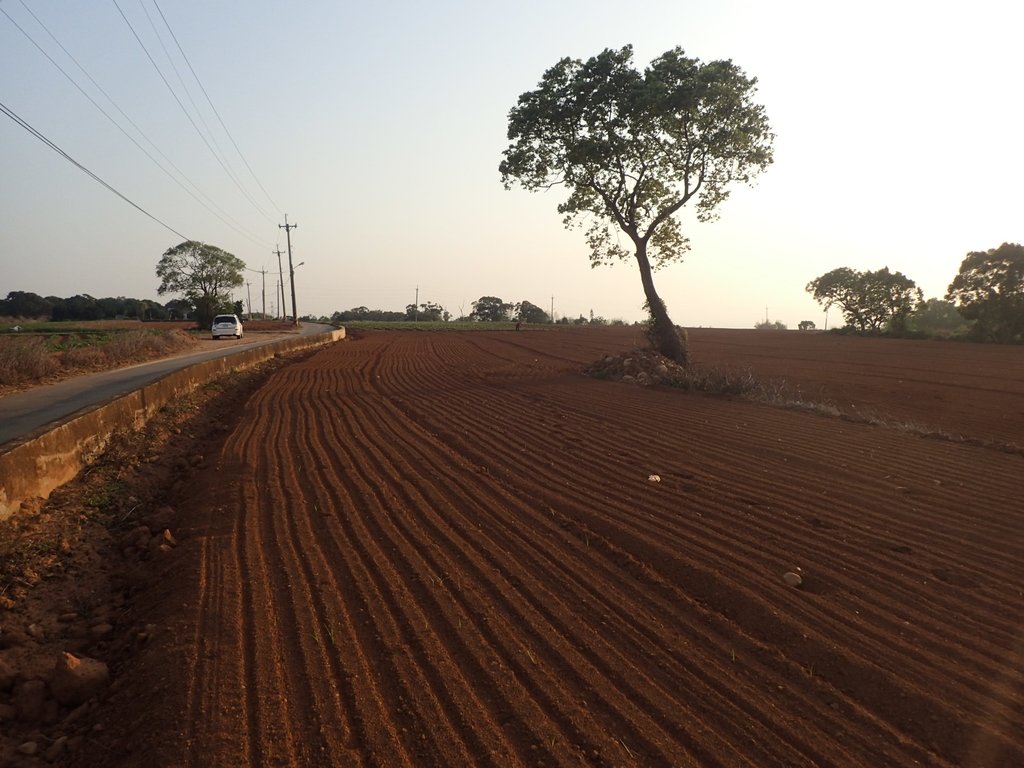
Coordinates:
(440,549)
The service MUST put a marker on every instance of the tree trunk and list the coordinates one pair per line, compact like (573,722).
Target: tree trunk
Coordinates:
(665,337)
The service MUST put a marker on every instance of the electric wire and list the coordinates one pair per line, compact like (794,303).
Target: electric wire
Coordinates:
(185,111)
(222,215)
(207,137)
(11,114)
(214,108)
(187,92)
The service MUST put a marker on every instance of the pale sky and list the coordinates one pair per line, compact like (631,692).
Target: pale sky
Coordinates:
(379,127)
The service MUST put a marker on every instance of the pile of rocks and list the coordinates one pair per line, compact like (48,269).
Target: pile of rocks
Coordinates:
(143,543)
(642,366)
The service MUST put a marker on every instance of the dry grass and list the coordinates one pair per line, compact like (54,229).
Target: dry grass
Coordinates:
(25,359)
(35,358)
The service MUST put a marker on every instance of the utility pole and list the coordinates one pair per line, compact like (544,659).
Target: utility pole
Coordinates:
(248,294)
(264,273)
(416,306)
(280,274)
(291,270)
(552,308)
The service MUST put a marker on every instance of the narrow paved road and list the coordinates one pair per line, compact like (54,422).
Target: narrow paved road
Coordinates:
(24,413)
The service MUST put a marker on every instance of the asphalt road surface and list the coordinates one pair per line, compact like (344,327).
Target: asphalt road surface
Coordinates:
(25,413)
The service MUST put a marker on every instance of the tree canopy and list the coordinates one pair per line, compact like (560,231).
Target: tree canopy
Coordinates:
(203,274)
(428,311)
(632,148)
(490,309)
(936,317)
(25,304)
(989,289)
(870,301)
(528,312)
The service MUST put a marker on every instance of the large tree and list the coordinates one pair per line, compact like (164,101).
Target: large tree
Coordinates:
(203,274)
(528,312)
(989,289)
(869,301)
(490,309)
(632,148)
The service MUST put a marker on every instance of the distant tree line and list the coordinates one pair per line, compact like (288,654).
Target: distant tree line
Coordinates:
(984,302)
(486,309)
(85,307)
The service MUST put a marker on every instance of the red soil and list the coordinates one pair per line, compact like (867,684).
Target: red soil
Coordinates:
(447,549)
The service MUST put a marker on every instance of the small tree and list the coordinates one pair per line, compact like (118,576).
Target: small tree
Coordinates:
(806,325)
(204,274)
(633,148)
(989,289)
(490,309)
(529,313)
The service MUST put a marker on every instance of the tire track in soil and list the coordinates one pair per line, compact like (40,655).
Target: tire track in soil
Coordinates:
(443,549)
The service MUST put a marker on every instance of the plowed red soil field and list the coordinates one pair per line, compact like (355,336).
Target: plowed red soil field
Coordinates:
(453,549)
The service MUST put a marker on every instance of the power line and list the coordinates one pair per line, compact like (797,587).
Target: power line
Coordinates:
(205,141)
(11,114)
(224,218)
(210,102)
(226,164)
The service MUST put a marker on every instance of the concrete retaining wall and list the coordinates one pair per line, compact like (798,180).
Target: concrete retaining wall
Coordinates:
(37,466)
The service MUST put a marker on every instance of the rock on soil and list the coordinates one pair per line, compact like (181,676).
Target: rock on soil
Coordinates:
(641,366)
(76,680)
